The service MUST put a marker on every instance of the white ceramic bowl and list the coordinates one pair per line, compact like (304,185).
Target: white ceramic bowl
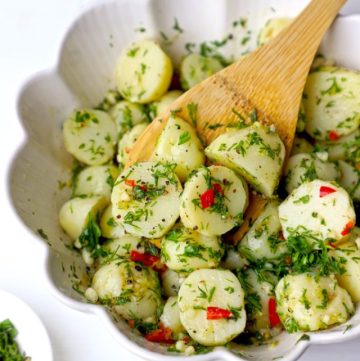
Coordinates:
(84,72)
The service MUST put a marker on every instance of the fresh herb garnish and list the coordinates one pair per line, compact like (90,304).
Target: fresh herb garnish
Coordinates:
(184,138)
(9,349)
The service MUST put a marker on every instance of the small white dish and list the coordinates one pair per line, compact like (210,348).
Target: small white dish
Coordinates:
(32,336)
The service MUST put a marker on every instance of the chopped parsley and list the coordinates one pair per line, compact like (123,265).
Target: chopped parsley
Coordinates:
(9,349)
(90,237)
(184,138)
(177,27)
(192,109)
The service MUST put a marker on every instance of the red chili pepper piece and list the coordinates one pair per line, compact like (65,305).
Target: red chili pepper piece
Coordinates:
(130,182)
(348,227)
(163,335)
(274,319)
(131,323)
(143,187)
(333,135)
(325,191)
(207,198)
(217,188)
(217,313)
(332,245)
(145,258)
(160,267)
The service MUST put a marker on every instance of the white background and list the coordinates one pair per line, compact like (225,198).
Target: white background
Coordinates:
(30,36)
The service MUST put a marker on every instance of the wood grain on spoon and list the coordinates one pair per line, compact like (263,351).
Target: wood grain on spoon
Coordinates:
(268,82)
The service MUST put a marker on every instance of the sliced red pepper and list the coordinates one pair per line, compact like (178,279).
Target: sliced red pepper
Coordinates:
(148,260)
(130,182)
(217,188)
(348,227)
(207,198)
(332,245)
(274,319)
(145,258)
(333,135)
(217,313)
(325,191)
(163,335)
(131,323)
(159,267)
(143,187)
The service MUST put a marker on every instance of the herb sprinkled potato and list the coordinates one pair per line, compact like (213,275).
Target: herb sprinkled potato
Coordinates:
(144,72)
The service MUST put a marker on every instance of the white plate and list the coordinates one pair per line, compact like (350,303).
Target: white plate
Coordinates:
(32,337)
(84,72)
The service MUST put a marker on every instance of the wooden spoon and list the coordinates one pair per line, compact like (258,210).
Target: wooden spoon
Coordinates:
(267,84)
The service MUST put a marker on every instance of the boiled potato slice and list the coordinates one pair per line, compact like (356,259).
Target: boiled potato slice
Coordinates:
(170,281)
(126,115)
(127,141)
(75,213)
(195,68)
(332,103)
(179,143)
(257,296)
(213,201)
(123,246)
(171,315)
(90,136)
(96,180)
(301,145)
(212,288)
(109,227)
(308,302)
(350,280)
(164,102)
(350,179)
(233,259)
(346,148)
(110,99)
(322,209)
(146,199)
(262,240)
(272,28)
(143,73)
(302,168)
(255,152)
(130,288)
(185,250)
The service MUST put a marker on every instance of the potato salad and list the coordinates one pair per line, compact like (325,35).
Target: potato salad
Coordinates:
(156,235)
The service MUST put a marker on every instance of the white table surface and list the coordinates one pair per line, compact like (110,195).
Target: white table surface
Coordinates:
(30,35)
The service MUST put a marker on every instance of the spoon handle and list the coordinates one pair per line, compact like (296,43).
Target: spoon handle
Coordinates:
(282,65)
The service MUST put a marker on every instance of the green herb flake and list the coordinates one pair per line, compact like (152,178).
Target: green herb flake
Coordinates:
(333,89)
(303,200)
(42,234)
(177,27)
(133,52)
(184,138)
(192,109)
(304,337)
